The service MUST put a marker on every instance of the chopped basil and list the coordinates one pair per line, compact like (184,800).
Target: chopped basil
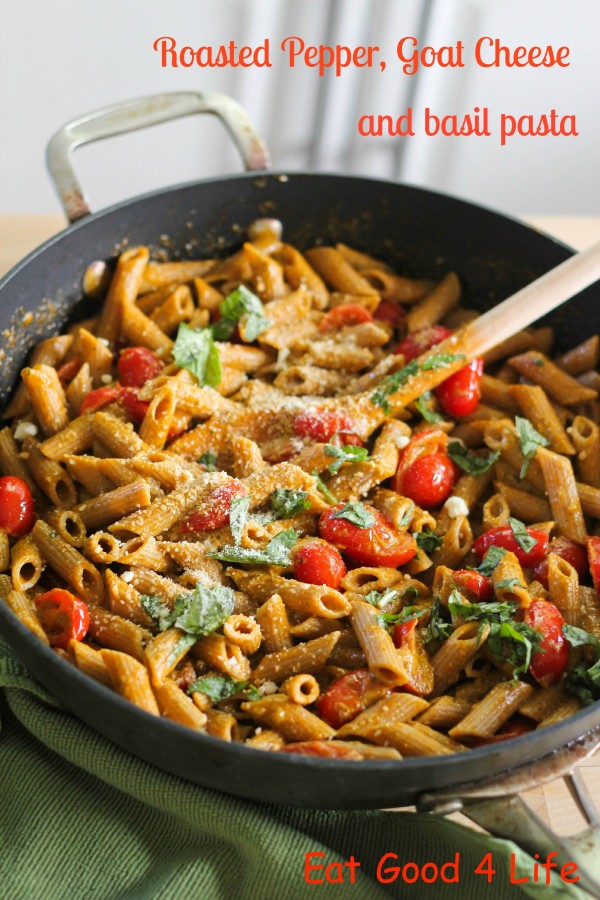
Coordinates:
(441,360)
(357,514)
(470,462)
(514,643)
(407,517)
(238,516)
(321,486)
(427,540)
(276,553)
(388,620)
(491,559)
(438,629)
(584,682)
(347,453)
(185,643)
(510,583)
(577,637)
(287,503)
(391,383)
(525,540)
(530,440)
(196,351)
(484,612)
(244,308)
(222,687)
(198,613)
(381,598)
(425,407)
(209,461)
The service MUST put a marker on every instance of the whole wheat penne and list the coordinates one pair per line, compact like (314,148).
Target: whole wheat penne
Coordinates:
(523,505)
(455,653)
(11,462)
(99,511)
(486,717)
(47,398)
(24,608)
(392,710)
(89,661)
(67,562)
(382,657)
(534,404)
(291,720)
(50,352)
(562,494)
(305,657)
(76,437)
(509,582)
(130,679)
(4,552)
(50,476)
(557,383)
(496,511)
(302,689)
(586,438)
(273,620)
(435,305)
(582,358)
(177,706)
(80,385)
(26,564)
(563,588)
(125,600)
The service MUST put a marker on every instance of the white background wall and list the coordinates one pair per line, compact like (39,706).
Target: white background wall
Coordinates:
(61,58)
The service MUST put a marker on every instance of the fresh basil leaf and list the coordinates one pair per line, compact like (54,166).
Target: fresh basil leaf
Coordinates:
(391,383)
(287,503)
(510,583)
(441,361)
(427,540)
(407,517)
(530,440)
(204,610)
(388,620)
(276,553)
(238,516)
(357,514)
(348,453)
(425,407)
(438,629)
(484,612)
(196,351)
(577,637)
(322,487)
(525,540)
(514,643)
(160,612)
(584,682)
(381,598)
(244,308)
(491,559)
(222,687)
(185,643)
(470,462)
(209,461)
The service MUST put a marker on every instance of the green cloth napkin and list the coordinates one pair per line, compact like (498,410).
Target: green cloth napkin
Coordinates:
(81,819)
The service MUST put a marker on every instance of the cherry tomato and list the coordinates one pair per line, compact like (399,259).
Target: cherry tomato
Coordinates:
(593,549)
(411,651)
(459,394)
(319,563)
(348,696)
(324,749)
(347,439)
(344,315)
(548,665)
(68,370)
(380,545)
(321,424)
(420,341)
(137,365)
(573,553)
(17,512)
(391,312)
(215,511)
(502,536)
(514,727)
(95,400)
(429,481)
(475,586)
(63,616)
(136,409)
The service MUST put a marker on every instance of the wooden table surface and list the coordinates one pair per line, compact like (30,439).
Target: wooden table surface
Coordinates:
(21,233)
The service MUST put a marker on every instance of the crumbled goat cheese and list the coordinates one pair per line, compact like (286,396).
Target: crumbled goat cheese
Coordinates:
(456,506)
(25,429)
(402,441)
(104,341)
(269,687)
(127,576)
(106,379)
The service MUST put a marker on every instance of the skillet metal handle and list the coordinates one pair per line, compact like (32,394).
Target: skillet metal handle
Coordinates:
(495,804)
(143,112)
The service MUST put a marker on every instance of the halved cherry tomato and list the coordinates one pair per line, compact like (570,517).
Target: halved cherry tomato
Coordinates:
(570,551)
(96,399)
(344,315)
(514,727)
(548,665)
(215,511)
(475,586)
(459,394)
(380,545)
(319,563)
(17,510)
(137,365)
(413,655)
(324,749)
(321,424)
(348,696)
(429,481)
(430,440)
(391,312)
(63,616)
(68,370)
(347,439)
(593,549)
(419,341)
(502,536)
(135,408)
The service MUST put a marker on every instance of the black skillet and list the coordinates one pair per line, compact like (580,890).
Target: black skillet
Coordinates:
(421,233)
